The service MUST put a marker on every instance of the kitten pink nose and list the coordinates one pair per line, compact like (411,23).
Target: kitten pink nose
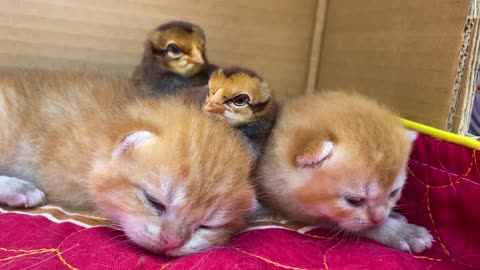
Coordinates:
(377,220)
(172,242)
(378,215)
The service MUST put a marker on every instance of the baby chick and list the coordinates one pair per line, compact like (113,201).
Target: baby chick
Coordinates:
(245,101)
(173,58)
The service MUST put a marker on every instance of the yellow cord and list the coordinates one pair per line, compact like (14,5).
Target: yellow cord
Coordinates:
(441,134)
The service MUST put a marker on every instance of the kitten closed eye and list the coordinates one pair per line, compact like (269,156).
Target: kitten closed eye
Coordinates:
(203,227)
(153,202)
(395,193)
(355,201)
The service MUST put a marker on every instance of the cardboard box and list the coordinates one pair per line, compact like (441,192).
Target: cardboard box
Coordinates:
(271,36)
(417,56)
(414,55)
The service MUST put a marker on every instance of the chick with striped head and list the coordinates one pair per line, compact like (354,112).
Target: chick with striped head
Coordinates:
(245,101)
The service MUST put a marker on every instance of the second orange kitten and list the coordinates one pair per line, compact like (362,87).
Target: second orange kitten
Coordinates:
(339,160)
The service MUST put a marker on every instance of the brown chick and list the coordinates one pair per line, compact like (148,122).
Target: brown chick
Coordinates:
(245,101)
(174,58)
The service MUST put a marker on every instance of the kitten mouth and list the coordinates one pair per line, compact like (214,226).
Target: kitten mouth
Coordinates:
(357,228)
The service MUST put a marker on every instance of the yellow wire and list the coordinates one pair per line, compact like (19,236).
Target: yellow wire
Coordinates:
(441,134)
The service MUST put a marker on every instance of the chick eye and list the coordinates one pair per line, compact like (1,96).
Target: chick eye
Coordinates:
(394,193)
(159,207)
(174,49)
(241,100)
(355,202)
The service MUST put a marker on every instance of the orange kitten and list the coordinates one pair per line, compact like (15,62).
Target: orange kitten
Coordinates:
(149,165)
(341,159)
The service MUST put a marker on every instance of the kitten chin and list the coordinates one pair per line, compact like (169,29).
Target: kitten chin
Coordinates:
(151,166)
(341,159)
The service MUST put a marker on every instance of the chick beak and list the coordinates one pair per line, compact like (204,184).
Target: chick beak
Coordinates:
(214,107)
(196,57)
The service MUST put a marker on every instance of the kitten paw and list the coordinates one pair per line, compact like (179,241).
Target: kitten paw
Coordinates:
(411,238)
(397,233)
(19,193)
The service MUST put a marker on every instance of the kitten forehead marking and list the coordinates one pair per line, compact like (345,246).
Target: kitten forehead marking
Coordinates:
(179,197)
(372,190)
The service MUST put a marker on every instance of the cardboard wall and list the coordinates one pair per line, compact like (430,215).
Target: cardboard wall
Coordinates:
(402,52)
(461,116)
(405,53)
(272,36)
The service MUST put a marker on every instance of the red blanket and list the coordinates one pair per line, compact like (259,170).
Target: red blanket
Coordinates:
(442,193)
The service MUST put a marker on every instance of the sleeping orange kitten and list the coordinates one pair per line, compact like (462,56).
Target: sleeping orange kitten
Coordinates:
(87,142)
(340,160)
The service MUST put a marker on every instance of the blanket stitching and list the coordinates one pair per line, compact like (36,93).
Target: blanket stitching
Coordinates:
(442,244)
(33,252)
(59,253)
(325,264)
(427,258)
(165,265)
(321,237)
(457,181)
(270,261)
(25,250)
(60,257)
(431,265)
(430,187)
(475,160)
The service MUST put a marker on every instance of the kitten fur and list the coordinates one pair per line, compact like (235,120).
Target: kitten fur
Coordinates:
(163,73)
(340,159)
(254,119)
(90,143)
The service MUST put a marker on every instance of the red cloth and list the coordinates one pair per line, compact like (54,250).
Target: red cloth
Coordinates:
(442,193)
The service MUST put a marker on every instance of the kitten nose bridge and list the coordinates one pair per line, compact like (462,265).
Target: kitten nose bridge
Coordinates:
(173,236)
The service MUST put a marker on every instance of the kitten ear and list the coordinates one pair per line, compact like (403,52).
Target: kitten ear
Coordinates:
(132,141)
(314,154)
(412,135)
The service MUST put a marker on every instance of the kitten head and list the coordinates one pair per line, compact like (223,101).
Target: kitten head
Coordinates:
(179,46)
(336,157)
(237,95)
(177,181)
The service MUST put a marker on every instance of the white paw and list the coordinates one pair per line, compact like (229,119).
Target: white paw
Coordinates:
(411,238)
(20,193)
(397,233)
